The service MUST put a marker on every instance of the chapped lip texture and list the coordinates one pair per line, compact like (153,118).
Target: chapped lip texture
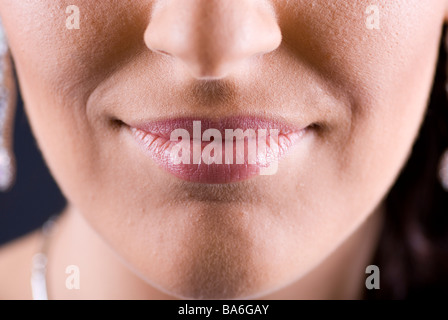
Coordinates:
(219,156)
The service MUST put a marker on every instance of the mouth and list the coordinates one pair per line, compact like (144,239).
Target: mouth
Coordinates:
(219,151)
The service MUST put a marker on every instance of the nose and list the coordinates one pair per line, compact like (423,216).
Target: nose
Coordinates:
(213,37)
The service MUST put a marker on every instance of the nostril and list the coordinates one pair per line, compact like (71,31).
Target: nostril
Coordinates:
(163,52)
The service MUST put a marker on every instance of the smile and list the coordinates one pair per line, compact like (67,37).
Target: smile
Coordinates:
(217,151)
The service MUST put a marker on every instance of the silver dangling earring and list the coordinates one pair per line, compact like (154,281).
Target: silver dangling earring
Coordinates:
(443,171)
(443,164)
(7,111)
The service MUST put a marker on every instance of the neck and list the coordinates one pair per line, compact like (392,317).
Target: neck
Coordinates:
(104,276)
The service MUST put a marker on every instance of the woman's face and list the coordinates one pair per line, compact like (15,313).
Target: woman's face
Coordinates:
(360,93)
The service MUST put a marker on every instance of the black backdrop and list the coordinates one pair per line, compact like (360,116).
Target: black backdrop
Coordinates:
(34,196)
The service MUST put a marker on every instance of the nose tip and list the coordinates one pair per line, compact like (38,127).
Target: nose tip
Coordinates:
(213,37)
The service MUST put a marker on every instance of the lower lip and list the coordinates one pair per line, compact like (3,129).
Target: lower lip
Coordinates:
(159,147)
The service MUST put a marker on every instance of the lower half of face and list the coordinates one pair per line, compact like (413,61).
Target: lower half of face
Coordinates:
(356,95)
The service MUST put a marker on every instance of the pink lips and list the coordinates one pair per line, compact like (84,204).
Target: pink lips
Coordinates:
(231,160)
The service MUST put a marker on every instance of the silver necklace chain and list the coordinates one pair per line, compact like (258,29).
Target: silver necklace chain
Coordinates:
(39,288)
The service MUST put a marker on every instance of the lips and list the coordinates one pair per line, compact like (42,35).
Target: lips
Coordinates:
(217,151)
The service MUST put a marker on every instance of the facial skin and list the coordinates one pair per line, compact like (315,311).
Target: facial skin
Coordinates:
(306,62)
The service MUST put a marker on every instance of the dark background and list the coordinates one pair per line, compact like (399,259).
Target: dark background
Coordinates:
(34,196)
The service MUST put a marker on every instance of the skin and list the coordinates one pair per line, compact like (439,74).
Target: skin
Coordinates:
(137,232)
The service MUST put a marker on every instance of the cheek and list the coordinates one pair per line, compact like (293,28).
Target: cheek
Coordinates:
(393,78)
(70,63)
(385,74)
(58,68)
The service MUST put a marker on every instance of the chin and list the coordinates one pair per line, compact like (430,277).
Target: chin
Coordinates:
(225,264)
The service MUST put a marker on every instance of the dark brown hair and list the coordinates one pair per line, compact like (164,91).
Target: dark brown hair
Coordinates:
(412,254)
